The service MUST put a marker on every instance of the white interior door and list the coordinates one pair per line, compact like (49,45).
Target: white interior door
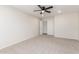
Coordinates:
(41,27)
(44,27)
(50,26)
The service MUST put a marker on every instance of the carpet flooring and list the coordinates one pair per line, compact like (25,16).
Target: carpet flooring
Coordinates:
(44,45)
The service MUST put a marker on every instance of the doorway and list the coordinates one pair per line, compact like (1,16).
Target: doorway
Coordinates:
(47,26)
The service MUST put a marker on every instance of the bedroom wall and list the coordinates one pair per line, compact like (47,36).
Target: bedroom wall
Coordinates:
(15,26)
(66,26)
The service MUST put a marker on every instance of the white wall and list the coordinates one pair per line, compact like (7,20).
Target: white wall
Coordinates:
(16,26)
(78,26)
(66,25)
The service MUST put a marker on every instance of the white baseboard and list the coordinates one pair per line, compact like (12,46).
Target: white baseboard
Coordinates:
(67,38)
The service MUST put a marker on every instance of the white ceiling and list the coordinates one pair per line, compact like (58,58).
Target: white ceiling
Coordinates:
(54,11)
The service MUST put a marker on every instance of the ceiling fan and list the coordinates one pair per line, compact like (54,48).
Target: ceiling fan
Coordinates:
(44,9)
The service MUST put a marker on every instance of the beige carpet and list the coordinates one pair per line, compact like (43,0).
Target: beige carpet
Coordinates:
(44,45)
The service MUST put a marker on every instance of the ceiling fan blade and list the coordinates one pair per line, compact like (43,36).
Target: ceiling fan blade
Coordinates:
(49,7)
(40,7)
(37,10)
(48,11)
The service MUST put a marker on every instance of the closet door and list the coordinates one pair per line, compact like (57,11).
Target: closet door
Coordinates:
(45,27)
(41,27)
(50,26)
